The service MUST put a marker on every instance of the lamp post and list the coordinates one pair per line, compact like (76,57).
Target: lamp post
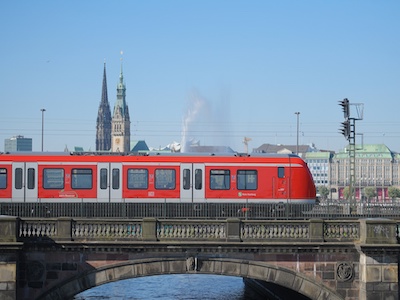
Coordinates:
(42,110)
(297,141)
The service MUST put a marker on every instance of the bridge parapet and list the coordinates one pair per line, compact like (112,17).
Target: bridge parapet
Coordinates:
(359,258)
(365,231)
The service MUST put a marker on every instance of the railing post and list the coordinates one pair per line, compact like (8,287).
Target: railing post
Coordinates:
(233,230)
(64,229)
(149,229)
(378,231)
(316,230)
(9,228)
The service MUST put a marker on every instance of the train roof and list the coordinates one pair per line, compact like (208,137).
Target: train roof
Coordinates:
(159,154)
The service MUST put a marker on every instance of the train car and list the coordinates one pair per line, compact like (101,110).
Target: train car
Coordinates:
(163,178)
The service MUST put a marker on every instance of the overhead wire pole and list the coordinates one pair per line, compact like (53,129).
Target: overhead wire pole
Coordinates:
(42,110)
(297,140)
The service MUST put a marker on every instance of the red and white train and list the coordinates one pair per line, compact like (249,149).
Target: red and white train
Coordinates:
(180,178)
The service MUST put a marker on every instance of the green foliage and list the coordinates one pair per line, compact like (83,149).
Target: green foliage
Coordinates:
(323,191)
(394,192)
(370,192)
(346,192)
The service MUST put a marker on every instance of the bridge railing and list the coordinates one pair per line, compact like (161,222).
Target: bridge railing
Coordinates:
(286,210)
(32,230)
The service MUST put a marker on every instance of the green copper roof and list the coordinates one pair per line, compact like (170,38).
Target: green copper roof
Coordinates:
(367,151)
(317,155)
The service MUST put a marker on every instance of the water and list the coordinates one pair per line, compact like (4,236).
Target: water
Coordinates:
(172,287)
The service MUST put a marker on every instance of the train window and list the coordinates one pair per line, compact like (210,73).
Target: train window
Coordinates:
(18,178)
(281,172)
(103,178)
(31,178)
(53,178)
(138,179)
(220,179)
(115,179)
(3,178)
(81,179)
(198,179)
(165,179)
(186,179)
(247,180)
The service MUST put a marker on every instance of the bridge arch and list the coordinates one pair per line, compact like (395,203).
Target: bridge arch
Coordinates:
(191,265)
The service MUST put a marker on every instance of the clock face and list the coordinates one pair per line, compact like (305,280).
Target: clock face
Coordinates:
(117,140)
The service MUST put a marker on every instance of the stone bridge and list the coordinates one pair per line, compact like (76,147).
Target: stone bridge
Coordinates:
(320,259)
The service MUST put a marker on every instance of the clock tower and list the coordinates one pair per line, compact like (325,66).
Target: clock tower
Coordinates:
(120,124)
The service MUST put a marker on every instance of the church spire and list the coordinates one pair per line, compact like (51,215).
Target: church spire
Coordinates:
(120,121)
(103,127)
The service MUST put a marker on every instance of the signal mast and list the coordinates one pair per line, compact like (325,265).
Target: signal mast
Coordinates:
(348,129)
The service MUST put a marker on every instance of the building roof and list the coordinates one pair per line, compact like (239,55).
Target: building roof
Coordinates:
(269,148)
(318,155)
(137,146)
(209,149)
(368,151)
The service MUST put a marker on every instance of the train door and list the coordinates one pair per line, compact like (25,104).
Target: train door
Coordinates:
(109,179)
(192,182)
(24,182)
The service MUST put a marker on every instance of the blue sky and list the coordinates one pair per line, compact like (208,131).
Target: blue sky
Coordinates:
(241,68)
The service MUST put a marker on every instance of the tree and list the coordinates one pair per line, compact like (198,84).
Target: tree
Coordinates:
(323,191)
(394,192)
(346,192)
(370,192)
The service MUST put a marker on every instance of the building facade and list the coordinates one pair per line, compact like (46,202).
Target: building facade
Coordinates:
(103,125)
(319,162)
(120,123)
(17,143)
(375,166)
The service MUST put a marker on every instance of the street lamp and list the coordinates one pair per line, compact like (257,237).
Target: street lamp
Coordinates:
(42,110)
(297,142)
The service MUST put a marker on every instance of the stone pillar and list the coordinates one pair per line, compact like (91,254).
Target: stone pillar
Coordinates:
(9,227)
(9,248)
(64,229)
(149,229)
(379,259)
(316,230)
(233,230)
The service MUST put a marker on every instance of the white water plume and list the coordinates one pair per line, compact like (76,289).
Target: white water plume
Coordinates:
(199,121)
